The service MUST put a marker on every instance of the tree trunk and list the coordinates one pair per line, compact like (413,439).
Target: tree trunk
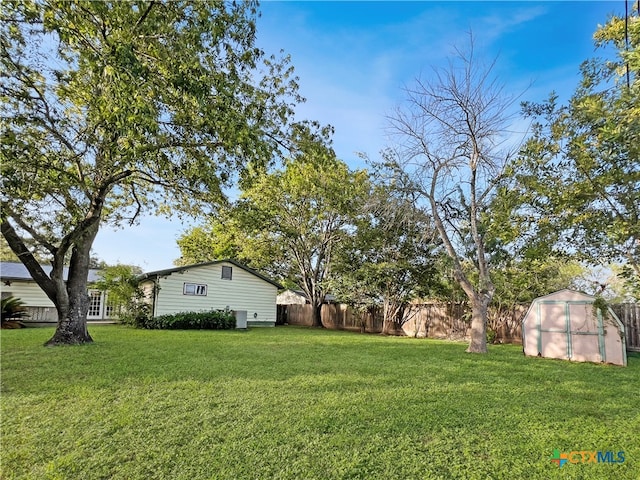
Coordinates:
(317,316)
(392,327)
(72,314)
(393,318)
(478,342)
(386,317)
(387,327)
(72,326)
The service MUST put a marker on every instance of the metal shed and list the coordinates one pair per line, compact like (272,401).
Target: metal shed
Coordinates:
(565,325)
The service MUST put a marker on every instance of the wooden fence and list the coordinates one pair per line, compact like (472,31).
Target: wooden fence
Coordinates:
(629,315)
(442,320)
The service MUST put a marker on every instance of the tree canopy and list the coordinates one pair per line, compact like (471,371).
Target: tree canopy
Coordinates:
(577,181)
(110,109)
(290,220)
(390,256)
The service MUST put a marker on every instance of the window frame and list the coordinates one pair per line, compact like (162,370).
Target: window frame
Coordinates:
(96,304)
(226,268)
(199,289)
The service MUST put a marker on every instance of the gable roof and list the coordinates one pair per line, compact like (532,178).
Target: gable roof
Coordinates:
(17,271)
(566,294)
(169,271)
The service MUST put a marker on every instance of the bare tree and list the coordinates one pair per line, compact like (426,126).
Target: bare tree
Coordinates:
(451,146)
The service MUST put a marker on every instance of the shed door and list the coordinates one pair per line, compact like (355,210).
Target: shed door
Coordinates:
(552,335)
(570,330)
(586,333)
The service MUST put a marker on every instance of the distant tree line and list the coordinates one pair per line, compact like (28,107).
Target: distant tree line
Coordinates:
(162,106)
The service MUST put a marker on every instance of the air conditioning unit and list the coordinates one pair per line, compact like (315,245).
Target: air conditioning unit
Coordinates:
(241,319)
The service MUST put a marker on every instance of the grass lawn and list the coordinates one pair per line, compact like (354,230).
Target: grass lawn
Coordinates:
(294,403)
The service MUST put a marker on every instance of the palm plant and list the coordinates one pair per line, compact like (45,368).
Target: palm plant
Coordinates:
(13,310)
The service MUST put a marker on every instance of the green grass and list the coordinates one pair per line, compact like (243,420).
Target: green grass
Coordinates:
(293,403)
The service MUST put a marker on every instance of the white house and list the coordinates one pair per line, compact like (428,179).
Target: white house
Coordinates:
(16,281)
(217,285)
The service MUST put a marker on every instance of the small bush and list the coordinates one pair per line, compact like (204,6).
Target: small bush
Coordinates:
(136,314)
(491,335)
(213,320)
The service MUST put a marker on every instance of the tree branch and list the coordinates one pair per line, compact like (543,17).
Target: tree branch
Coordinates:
(26,257)
(8,212)
(144,15)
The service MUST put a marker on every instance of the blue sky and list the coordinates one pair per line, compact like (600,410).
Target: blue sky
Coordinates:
(353,58)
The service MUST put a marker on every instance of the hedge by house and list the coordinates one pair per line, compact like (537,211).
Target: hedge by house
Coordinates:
(212,320)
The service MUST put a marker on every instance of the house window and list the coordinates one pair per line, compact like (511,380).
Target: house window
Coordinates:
(226,273)
(111,309)
(194,289)
(95,304)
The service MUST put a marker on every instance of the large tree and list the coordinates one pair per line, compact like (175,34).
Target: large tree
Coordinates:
(450,135)
(290,220)
(304,211)
(390,256)
(579,174)
(112,108)
(219,237)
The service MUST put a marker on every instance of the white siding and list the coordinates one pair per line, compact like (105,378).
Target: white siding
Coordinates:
(28,292)
(40,307)
(244,291)
(32,295)
(289,297)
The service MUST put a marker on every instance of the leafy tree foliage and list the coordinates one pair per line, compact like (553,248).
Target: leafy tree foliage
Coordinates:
(389,258)
(219,237)
(523,280)
(124,295)
(525,263)
(289,222)
(577,182)
(113,108)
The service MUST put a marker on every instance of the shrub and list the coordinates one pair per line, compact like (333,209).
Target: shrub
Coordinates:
(136,314)
(125,296)
(491,335)
(213,320)
(13,310)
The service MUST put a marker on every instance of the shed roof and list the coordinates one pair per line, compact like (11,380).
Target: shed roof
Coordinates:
(566,295)
(328,297)
(169,271)
(17,271)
